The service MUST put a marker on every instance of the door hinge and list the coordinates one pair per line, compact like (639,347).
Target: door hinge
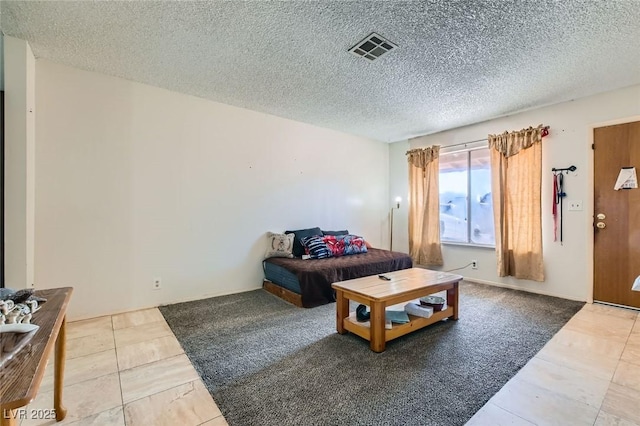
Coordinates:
(593,146)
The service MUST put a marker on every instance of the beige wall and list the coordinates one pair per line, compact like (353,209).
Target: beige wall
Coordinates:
(19,160)
(398,187)
(135,182)
(568,267)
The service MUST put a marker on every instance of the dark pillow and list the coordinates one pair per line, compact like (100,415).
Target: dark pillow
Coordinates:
(345,232)
(298,250)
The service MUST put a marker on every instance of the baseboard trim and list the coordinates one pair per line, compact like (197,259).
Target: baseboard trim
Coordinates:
(515,287)
(173,302)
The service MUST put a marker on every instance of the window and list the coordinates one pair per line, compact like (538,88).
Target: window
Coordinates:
(466,209)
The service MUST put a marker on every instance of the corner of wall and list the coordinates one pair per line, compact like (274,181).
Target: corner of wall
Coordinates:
(399,187)
(19,157)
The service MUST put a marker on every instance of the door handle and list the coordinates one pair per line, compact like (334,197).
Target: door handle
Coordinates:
(601,225)
(601,216)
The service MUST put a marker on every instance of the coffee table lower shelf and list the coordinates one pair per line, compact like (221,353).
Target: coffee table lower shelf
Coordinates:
(351,324)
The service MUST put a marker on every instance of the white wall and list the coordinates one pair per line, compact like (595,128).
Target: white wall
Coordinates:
(1,61)
(398,187)
(19,160)
(136,182)
(568,267)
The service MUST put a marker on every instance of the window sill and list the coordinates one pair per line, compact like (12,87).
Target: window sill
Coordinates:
(475,245)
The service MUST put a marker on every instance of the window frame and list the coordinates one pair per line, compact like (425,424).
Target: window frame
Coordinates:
(469,242)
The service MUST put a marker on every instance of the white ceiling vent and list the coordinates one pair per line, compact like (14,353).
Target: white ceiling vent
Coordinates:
(372,47)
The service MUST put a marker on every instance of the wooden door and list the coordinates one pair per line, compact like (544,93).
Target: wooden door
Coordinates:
(617,245)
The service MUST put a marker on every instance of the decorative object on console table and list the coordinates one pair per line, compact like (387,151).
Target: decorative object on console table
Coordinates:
(398,199)
(17,307)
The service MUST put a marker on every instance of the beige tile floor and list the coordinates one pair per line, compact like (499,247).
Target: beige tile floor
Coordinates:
(587,374)
(129,369)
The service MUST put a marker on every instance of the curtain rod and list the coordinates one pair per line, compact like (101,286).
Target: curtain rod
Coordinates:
(464,143)
(480,140)
(454,145)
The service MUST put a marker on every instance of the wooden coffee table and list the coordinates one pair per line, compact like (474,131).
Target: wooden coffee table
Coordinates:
(405,285)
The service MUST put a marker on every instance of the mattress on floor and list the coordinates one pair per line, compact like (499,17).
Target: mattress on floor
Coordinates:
(312,278)
(281,276)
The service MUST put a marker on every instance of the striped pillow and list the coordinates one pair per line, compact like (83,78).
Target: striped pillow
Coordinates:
(316,247)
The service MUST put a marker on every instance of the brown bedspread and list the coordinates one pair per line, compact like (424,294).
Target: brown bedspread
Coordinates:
(317,275)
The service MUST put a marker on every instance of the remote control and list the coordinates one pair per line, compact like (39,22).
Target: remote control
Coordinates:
(382,277)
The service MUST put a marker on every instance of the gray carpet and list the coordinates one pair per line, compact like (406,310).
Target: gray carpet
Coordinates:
(270,363)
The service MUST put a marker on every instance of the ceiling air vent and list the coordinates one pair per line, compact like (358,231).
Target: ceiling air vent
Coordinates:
(372,47)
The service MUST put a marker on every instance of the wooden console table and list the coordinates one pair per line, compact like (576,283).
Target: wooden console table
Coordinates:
(405,285)
(20,378)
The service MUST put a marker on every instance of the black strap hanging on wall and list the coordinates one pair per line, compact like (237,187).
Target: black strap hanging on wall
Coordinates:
(558,195)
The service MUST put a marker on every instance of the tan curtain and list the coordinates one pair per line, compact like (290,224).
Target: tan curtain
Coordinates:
(516,178)
(424,206)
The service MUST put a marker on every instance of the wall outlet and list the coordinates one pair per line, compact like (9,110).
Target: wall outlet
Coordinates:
(157,283)
(474,264)
(575,205)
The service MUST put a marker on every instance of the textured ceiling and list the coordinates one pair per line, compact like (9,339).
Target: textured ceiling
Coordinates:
(457,62)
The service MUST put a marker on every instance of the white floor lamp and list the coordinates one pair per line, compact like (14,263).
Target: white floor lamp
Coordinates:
(398,199)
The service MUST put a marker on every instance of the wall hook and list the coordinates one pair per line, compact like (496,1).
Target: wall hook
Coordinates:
(566,169)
